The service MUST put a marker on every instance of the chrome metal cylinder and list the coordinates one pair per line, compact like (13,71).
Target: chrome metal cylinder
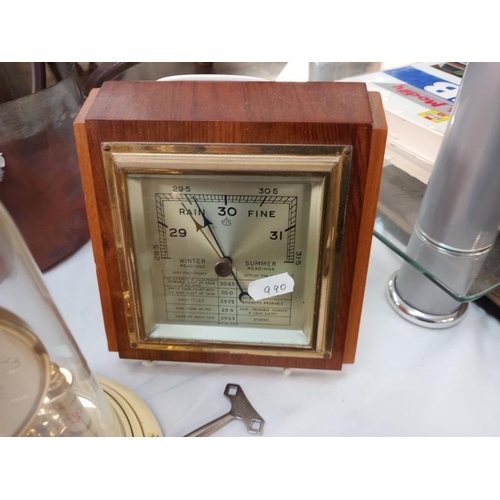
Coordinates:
(461,208)
(436,309)
(459,218)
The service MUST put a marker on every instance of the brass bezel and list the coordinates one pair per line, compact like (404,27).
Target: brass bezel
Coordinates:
(330,162)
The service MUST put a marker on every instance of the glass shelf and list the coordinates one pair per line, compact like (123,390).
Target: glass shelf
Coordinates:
(398,206)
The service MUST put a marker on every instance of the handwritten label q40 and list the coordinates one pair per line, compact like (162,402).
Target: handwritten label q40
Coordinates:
(280,284)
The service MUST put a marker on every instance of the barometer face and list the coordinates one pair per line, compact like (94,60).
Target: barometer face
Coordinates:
(226,250)
(201,241)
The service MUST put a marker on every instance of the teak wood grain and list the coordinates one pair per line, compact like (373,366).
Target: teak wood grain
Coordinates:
(96,234)
(237,113)
(369,211)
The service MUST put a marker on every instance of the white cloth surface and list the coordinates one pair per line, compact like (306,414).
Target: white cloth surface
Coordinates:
(406,381)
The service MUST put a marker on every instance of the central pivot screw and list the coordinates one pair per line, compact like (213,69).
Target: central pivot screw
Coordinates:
(224,267)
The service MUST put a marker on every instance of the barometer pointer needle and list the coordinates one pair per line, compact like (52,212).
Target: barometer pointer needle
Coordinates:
(200,227)
(208,223)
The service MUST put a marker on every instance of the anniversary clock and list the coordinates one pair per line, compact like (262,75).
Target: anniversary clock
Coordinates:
(231,222)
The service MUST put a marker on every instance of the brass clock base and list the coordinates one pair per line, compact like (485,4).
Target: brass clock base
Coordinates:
(133,415)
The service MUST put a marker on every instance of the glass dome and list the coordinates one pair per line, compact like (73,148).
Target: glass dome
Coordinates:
(46,387)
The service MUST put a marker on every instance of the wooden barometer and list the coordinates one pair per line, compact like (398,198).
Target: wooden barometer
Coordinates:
(231,222)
